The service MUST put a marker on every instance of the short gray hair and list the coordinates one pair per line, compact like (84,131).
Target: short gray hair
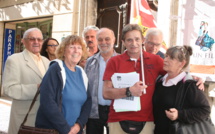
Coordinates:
(25,35)
(88,28)
(153,31)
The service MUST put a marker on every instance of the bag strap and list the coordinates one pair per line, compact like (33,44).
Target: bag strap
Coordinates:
(32,104)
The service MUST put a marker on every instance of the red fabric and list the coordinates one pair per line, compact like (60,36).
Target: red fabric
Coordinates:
(153,66)
(141,14)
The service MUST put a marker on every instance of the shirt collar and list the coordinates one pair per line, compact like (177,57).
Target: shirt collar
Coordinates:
(34,56)
(173,81)
(127,57)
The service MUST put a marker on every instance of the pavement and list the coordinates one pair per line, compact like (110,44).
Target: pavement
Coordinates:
(5,106)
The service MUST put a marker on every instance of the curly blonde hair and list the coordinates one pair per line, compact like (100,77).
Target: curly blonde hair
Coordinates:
(71,39)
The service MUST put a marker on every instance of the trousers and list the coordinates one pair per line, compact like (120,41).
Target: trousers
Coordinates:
(96,126)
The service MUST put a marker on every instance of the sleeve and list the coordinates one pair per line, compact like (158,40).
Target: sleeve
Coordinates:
(196,107)
(50,102)
(85,111)
(13,84)
(160,65)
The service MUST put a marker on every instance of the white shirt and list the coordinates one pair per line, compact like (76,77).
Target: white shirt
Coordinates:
(173,81)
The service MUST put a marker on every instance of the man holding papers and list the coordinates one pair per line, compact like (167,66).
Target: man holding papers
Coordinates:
(122,68)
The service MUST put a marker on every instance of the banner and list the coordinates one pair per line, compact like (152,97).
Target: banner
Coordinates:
(198,32)
(9,42)
(141,14)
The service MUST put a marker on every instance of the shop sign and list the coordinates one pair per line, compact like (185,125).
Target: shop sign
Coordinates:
(9,42)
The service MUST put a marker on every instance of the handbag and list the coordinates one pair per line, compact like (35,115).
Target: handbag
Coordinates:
(204,127)
(33,130)
(132,127)
(176,127)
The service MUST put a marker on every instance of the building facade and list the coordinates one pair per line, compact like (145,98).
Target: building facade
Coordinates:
(59,18)
(55,18)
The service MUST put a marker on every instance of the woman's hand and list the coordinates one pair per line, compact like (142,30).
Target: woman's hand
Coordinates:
(172,114)
(75,129)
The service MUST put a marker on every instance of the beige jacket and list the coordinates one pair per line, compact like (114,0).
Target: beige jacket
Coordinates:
(20,81)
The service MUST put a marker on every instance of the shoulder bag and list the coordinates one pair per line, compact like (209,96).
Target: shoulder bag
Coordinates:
(176,127)
(33,130)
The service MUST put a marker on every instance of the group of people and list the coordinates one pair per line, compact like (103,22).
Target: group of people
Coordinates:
(73,98)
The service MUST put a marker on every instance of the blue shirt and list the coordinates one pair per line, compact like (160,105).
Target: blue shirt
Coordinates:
(73,95)
(102,66)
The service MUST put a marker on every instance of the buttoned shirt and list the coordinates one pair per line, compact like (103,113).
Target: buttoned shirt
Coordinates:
(38,61)
(102,67)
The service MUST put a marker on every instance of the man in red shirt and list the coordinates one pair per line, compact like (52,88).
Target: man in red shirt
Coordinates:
(128,62)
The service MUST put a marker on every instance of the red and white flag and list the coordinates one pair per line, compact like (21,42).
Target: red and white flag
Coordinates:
(141,14)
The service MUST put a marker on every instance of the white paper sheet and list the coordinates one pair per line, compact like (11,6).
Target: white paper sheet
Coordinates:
(123,80)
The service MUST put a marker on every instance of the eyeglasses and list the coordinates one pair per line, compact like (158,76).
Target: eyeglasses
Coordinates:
(32,39)
(153,44)
(52,46)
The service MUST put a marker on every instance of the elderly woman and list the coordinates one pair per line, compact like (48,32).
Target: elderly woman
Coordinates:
(65,103)
(195,107)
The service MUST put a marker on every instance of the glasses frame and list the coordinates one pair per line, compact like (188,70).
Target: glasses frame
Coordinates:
(52,46)
(32,39)
(153,44)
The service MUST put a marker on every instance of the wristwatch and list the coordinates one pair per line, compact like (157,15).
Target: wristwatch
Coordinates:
(128,92)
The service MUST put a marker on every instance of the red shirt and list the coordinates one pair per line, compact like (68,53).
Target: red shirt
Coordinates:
(153,67)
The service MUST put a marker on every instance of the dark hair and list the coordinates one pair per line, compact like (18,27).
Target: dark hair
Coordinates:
(45,45)
(131,27)
(180,53)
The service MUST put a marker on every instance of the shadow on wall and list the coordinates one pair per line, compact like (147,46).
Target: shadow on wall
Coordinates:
(15,12)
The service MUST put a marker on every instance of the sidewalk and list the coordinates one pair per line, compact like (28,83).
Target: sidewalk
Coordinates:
(5,106)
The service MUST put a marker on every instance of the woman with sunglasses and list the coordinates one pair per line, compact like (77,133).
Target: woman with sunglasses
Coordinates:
(48,48)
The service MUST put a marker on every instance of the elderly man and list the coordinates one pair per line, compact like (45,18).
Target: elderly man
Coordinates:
(94,68)
(89,35)
(23,73)
(153,41)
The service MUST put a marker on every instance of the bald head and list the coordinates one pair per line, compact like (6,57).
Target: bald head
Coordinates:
(106,39)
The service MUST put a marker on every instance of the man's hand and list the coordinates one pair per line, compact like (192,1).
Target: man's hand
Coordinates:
(137,88)
(200,82)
